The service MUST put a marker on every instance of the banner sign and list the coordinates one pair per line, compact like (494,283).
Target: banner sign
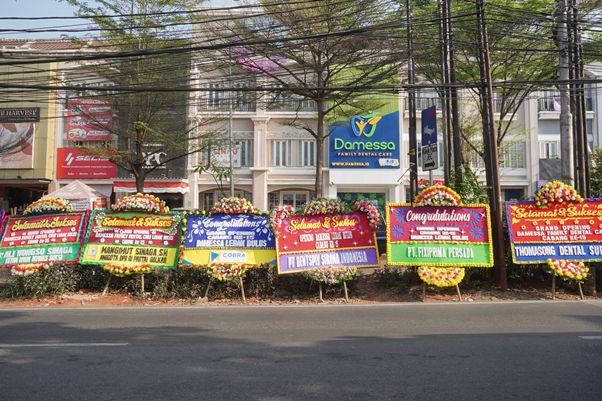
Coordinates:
(325,240)
(43,238)
(568,231)
(89,120)
(439,236)
(429,150)
(75,163)
(367,141)
(228,238)
(132,238)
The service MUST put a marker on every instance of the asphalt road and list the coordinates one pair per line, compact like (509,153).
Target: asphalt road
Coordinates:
(511,351)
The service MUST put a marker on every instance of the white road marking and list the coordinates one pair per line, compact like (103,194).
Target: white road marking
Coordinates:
(590,337)
(55,345)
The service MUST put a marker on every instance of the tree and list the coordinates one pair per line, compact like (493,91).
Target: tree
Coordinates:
(148,71)
(522,55)
(324,52)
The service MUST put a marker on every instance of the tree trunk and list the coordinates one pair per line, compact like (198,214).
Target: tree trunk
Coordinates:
(139,181)
(320,150)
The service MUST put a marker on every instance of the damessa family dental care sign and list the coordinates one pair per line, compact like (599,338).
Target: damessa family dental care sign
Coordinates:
(439,235)
(367,141)
(566,231)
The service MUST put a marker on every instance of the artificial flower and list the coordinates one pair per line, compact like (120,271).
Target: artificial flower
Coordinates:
(438,195)
(233,205)
(556,193)
(48,204)
(28,268)
(333,275)
(127,270)
(140,203)
(569,270)
(441,276)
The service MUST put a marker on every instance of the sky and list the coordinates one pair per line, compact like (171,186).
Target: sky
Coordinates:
(34,8)
(47,8)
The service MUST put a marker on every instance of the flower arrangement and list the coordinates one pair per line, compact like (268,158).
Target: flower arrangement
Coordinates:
(278,214)
(370,210)
(441,276)
(556,192)
(233,205)
(423,183)
(438,195)
(140,203)
(127,270)
(226,271)
(569,270)
(48,204)
(326,206)
(333,275)
(28,268)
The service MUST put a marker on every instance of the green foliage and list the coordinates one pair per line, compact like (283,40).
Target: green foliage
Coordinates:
(470,189)
(55,281)
(595,175)
(394,276)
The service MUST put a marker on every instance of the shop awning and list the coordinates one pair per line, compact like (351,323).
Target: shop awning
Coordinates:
(164,186)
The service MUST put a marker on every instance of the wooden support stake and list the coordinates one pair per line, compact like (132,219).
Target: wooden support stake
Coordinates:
(553,286)
(242,290)
(142,284)
(459,293)
(321,298)
(346,293)
(208,286)
(581,291)
(423,291)
(106,289)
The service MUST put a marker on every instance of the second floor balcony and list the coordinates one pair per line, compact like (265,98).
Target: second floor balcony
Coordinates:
(552,103)
(292,105)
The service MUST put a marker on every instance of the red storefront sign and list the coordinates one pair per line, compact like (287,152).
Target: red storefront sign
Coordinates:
(75,163)
(89,120)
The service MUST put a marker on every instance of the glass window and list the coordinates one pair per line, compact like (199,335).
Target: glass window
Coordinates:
(281,153)
(513,155)
(308,153)
(246,149)
(549,150)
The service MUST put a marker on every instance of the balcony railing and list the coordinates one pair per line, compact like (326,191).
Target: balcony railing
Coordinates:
(224,105)
(424,103)
(552,103)
(303,105)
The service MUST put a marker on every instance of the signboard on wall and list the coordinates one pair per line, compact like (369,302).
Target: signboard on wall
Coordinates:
(132,238)
(75,163)
(566,231)
(228,238)
(44,238)
(17,133)
(367,141)
(439,235)
(326,240)
(88,120)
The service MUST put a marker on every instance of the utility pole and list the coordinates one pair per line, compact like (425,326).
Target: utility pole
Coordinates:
(230,123)
(445,124)
(566,126)
(455,117)
(412,104)
(491,153)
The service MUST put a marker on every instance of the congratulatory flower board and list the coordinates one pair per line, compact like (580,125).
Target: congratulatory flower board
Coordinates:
(570,231)
(228,238)
(439,235)
(42,238)
(132,238)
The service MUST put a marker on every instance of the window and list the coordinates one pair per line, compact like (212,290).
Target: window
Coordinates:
(216,98)
(208,199)
(308,153)
(513,155)
(294,199)
(281,153)
(549,149)
(245,147)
